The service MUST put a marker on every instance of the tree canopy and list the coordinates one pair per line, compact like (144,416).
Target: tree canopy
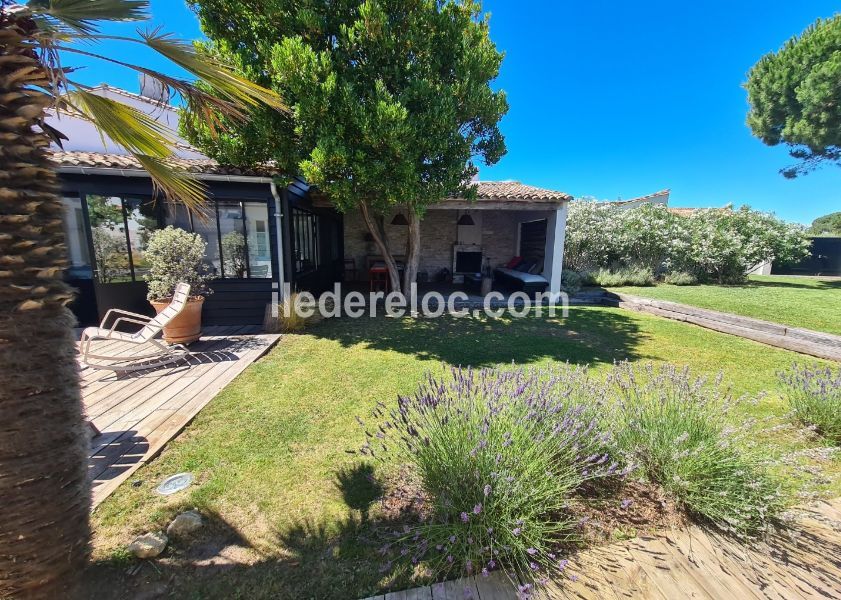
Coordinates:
(391,99)
(827,225)
(794,96)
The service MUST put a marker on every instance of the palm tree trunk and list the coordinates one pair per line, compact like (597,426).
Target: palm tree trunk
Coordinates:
(44,495)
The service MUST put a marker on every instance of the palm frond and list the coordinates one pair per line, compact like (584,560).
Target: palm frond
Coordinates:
(132,129)
(217,75)
(81,15)
(175,183)
(199,100)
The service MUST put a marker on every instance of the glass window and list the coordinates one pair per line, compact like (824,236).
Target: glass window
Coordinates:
(257,238)
(142,220)
(237,237)
(76,239)
(109,239)
(205,225)
(234,252)
(177,215)
(305,240)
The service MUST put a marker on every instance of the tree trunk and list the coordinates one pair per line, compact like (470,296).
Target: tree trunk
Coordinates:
(44,494)
(410,274)
(380,240)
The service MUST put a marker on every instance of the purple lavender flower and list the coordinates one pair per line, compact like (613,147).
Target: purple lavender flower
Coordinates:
(450,558)
(477,509)
(490,530)
(453,538)
(516,531)
(534,566)
(469,566)
(491,564)
(626,503)
(485,572)
(562,564)
(531,551)
(465,517)
(487,490)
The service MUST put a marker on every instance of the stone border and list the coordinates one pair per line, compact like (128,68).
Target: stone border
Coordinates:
(805,341)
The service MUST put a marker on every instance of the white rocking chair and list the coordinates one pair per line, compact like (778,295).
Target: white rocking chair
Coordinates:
(163,354)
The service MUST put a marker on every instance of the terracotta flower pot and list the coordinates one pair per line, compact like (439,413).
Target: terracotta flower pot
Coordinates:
(186,327)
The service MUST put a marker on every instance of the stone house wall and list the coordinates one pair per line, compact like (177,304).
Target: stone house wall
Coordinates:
(499,237)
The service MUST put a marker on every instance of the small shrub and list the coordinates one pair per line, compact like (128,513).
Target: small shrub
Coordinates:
(814,395)
(675,428)
(498,454)
(285,318)
(173,256)
(636,275)
(571,281)
(680,278)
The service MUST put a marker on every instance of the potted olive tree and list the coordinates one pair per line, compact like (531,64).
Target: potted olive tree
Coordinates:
(173,256)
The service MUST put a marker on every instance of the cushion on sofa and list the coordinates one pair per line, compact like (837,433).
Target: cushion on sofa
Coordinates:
(524,277)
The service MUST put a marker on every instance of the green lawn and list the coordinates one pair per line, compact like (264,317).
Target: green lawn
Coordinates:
(290,503)
(808,302)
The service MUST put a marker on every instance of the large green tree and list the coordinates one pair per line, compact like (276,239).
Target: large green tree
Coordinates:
(392,100)
(795,96)
(829,225)
(44,492)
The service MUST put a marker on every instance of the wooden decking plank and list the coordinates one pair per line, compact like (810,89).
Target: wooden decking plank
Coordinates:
(96,378)
(146,400)
(691,566)
(438,591)
(496,586)
(460,589)
(136,390)
(401,595)
(102,380)
(665,572)
(583,577)
(123,442)
(718,570)
(170,422)
(420,593)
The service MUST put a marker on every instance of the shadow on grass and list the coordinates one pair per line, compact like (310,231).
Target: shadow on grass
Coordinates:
(822,284)
(586,336)
(331,559)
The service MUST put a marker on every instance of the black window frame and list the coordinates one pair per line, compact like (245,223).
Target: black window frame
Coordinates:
(124,198)
(232,202)
(306,229)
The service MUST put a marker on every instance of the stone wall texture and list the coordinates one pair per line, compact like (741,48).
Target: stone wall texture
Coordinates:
(499,237)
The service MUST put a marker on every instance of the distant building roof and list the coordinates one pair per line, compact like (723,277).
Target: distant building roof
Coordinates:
(683,211)
(661,197)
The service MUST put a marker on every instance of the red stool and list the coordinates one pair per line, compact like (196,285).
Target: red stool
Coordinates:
(378,276)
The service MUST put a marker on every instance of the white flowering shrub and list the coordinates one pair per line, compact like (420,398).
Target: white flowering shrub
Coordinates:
(175,255)
(718,245)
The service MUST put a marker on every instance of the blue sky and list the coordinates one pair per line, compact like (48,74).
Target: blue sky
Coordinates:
(620,99)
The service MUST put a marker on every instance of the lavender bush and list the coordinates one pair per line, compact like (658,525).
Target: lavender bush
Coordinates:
(498,452)
(677,429)
(814,394)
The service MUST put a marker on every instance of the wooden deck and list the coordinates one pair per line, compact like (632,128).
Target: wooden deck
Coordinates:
(800,564)
(137,413)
